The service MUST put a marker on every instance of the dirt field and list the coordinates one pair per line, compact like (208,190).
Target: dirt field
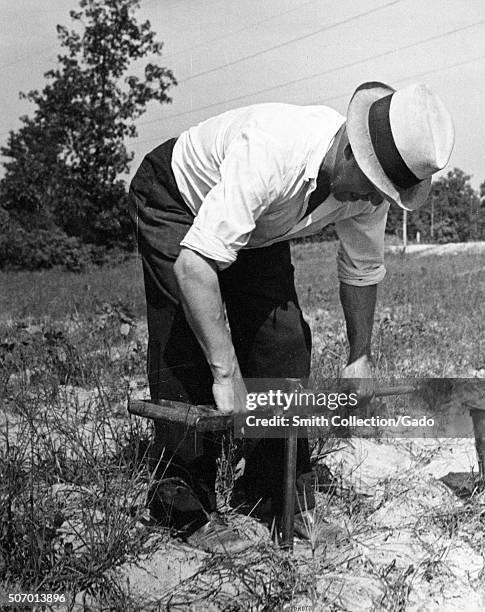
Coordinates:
(74,482)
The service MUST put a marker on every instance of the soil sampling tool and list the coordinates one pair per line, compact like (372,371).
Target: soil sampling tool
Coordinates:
(478,418)
(204,418)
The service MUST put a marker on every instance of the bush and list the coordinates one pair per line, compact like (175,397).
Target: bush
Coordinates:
(41,249)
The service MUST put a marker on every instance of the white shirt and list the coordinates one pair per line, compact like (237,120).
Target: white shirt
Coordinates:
(247,175)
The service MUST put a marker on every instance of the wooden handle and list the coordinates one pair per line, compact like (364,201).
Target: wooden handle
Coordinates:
(206,417)
(396,390)
(202,417)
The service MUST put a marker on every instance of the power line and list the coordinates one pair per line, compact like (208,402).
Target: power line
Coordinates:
(411,76)
(316,74)
(288,42)
(337,97)
(233,33)
(202,44)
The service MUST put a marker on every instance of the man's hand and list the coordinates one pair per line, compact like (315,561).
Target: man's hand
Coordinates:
(230,395)
(359,377)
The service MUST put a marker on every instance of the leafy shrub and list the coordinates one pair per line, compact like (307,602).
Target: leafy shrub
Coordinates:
(42,249)
(42,354)
(447,231)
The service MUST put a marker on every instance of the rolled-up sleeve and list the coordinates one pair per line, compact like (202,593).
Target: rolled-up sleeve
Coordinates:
(360,257)
(249,175)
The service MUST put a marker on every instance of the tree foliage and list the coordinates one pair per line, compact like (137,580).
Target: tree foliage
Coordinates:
(452,213)
(64,162)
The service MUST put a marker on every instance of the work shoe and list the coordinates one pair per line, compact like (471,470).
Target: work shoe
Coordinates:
(173,503)
(218,536)
(317,530)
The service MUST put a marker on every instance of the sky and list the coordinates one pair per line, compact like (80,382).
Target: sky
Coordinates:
(230,53)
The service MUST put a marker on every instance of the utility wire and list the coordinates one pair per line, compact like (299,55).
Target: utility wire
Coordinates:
(316,74)
(411,76)
(337,97)
(177,53)
(288,42)
(250,26)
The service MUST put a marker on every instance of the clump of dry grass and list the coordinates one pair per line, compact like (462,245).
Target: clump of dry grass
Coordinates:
(73,475)
(72,507)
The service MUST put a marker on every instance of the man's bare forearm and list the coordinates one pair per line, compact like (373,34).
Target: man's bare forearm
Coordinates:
(201,298)
(358,304)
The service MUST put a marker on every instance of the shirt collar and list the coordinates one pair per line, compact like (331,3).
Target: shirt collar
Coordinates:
(318,153)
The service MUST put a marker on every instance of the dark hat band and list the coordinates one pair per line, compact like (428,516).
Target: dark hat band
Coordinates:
(384,146)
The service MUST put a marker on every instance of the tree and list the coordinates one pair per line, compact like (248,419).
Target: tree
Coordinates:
(65,161)
(482,211)
(452,212)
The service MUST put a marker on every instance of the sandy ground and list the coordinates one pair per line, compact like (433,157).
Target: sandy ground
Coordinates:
(451,248)
(409,541)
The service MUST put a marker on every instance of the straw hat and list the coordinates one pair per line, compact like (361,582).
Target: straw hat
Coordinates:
(399,139)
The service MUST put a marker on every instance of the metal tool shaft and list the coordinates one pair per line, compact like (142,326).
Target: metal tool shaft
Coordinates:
(478,418)
(289,492)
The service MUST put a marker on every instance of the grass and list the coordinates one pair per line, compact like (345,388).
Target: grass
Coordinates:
(430,317)
(74,478)
(59,294)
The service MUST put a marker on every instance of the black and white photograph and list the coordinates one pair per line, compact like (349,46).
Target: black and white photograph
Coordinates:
(242,305)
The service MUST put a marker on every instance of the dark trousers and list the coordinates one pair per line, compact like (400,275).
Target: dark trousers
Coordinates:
(270,336)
